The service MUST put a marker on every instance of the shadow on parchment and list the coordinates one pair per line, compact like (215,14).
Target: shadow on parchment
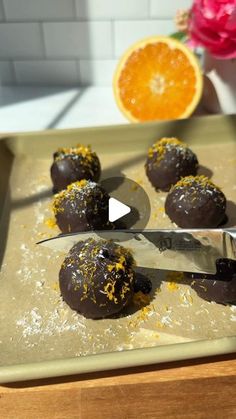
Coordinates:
(4,225)
(231,215)
(6,162)
(205,171)
(114,171)
(24,202)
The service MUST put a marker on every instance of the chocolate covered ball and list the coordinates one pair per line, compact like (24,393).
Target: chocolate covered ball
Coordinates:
(195,202)
(168,160)
(219,288)
(81,206)
(142,284)
(73,164)
(96,278)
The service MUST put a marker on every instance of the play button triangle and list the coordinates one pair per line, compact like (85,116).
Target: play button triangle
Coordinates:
(117,210)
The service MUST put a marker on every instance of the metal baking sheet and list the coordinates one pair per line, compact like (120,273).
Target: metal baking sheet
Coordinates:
(39,335)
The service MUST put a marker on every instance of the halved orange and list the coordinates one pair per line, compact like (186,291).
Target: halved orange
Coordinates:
(158,78)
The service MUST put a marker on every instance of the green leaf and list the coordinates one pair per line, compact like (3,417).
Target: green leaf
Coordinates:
(180,36)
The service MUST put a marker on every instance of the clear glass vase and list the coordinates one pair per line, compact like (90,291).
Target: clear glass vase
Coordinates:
(220,85)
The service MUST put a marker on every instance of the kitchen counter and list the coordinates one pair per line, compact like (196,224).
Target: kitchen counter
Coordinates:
(40,108)
(193,389)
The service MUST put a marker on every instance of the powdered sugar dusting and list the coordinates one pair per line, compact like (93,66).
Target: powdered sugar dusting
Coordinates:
(37,325)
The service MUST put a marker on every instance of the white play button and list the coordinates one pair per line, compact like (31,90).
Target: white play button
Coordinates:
(117,210)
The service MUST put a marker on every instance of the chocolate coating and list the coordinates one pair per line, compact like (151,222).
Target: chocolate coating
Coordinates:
(168,160)
(142,284)
(195,202)
(96,278)
(74,164)
(220,288)
(82,206)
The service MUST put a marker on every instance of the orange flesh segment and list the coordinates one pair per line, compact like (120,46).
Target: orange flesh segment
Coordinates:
(157,82)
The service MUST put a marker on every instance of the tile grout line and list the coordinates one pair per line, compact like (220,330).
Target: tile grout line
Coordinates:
(14,71)
(113,38)
(3,11)
(81,20)
(43,40)
(75,10)
(78,71)
(55,58)
(149,9)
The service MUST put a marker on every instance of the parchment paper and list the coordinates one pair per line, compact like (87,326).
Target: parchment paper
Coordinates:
(35,324)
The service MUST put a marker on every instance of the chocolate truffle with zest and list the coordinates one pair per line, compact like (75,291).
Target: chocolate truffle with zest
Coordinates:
(168,160)
(82,206)
(196,202)
(96,278)
(74,164)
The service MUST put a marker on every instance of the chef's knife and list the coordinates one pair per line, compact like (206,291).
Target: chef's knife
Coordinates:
(177,250)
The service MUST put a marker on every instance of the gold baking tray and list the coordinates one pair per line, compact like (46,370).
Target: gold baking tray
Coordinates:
(39,335)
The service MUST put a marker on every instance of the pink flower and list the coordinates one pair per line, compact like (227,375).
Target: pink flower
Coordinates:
(213,26)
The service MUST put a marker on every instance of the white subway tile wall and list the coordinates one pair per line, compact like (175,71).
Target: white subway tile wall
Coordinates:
(19,40)
(73,42)
(112,9)
(78,39)
(24,10)
(7,72)
(126,32)
(97,72)
(163,9)
(1,13)
(55,73)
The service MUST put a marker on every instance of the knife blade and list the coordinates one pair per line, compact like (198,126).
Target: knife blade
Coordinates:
(177,250)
